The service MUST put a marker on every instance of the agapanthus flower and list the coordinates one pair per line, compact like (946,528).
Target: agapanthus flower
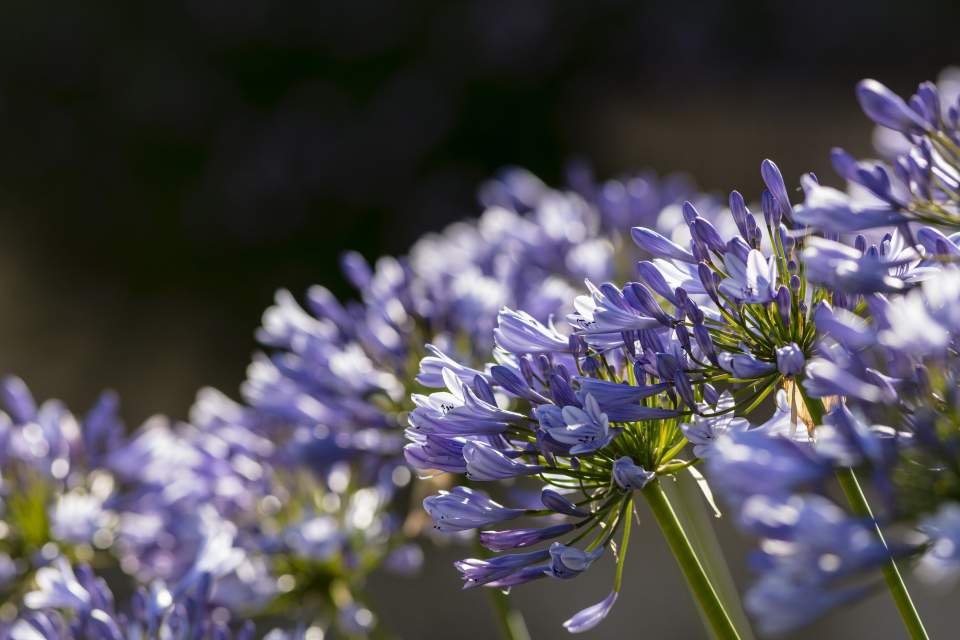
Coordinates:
(920,183)
(55,482)
(592,416)
(73,602)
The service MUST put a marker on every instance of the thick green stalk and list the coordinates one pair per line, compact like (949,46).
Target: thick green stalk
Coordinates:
(512,624)
(891,574)
(703,592)
(689,505)
(858,502)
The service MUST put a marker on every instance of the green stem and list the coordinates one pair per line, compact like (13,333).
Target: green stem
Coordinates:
(688,502)
(703,592)
(891,574)
(858,502)
(509,619)
(512,624)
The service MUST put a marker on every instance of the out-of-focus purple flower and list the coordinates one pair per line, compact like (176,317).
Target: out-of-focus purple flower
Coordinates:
(519,332)
(887,108)
(703,432)
(941,562)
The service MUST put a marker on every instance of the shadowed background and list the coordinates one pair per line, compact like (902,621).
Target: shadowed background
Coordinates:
(164,168)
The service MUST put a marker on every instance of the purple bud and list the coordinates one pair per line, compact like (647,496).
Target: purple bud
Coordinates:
(709,284)
(702,336)
(356,269)
(652,276)
(783,305)
(667,366)
(738,209)
(659,246)
(790,359)
(681,383)
(519,538)
(556,502)
(928,95)
(709,235)
(772,177)
(860,243)
(795,282)
(683,336)
(710,395)
(689,212)
(770,209)
(640,298)
(887,108)
(526,369)
(629,475)
(843,163)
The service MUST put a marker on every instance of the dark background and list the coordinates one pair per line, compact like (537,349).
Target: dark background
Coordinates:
(165,167)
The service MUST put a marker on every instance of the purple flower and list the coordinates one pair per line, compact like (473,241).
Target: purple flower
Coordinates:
(753,281)
(834,212)
(621,402)
(580,430)
(703,432)
(485,462)
(658,246)
(607,311)
(941,563)
(790,359)
(519,538)
(745,366)
(461,509)
(740,458)
(887,108)
(844,268)
(494,571)
(519,332)
(592,615)
(630,476)
(569,562)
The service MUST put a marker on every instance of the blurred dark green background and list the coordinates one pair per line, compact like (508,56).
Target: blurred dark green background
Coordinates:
(165,166)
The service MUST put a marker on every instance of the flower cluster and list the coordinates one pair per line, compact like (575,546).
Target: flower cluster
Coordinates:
(792,361)
(852,338)
(285,503)
(920,183)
